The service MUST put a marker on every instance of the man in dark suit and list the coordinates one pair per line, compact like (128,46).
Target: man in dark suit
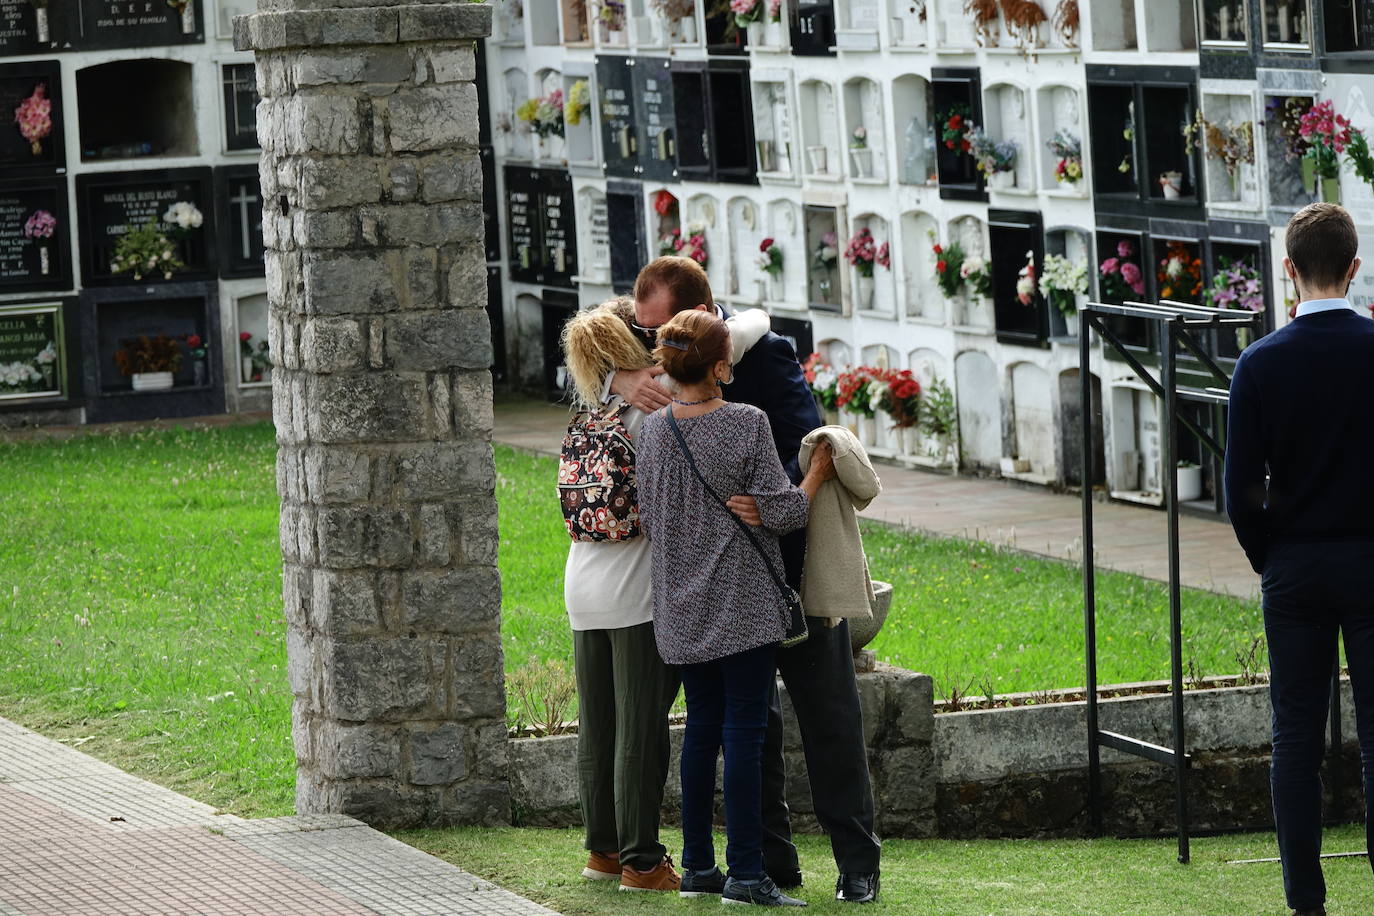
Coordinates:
(1301,500)
(819,673)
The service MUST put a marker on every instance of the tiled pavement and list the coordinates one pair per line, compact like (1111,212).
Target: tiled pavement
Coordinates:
(79,837)
(1129,538)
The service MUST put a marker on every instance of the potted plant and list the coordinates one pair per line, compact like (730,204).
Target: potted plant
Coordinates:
(770,262)
(1179,274)
(861,251)
(1327,134)
(747,16)
(1066,22)
(544,116)
(900,397)
(854,395)
(153,247)
(611,13)
(860,154)
(1068,149)
(824,384)
(150,362)
(939,421)
(1171,183)
(40,227)
(995,160)
(199,353)
(1286,113)
(1024,19)
(1026,281)
(1236,285)
(1121,276)
(954,125)
(949,262)
(578,103)
(1061,283)
(680,17)
(34,116)
(1231,145)
(823,261)
(1189,481)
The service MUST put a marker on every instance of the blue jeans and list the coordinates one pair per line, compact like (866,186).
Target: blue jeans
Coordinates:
(727,706)
(1313,594)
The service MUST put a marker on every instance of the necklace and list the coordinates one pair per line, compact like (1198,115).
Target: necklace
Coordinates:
(714,397)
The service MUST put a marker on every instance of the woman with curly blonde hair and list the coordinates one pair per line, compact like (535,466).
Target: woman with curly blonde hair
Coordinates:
(624,688)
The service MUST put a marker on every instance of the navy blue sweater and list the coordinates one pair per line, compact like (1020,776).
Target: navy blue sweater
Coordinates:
(1302,410)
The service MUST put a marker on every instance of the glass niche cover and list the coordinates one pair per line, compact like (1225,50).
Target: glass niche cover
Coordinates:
(1225,22)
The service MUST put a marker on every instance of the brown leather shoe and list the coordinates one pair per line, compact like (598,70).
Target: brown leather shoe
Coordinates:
(602,866)
(662,877)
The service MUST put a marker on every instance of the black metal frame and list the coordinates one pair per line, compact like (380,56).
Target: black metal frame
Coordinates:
(1174,321)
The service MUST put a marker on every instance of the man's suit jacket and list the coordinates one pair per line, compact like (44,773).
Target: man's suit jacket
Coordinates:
(770,378)
(1301,413)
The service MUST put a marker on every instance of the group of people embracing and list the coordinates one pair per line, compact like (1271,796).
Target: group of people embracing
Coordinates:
(687,487)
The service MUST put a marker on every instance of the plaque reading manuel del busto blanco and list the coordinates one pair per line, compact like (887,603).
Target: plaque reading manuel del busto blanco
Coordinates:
(32,362)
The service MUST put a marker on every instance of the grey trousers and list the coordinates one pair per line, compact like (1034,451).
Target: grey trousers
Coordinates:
(624,694)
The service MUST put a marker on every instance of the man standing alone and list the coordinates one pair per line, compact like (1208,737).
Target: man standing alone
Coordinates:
(1300,497)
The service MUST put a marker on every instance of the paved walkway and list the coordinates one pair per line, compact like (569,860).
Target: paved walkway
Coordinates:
(1128,538)
(79,837)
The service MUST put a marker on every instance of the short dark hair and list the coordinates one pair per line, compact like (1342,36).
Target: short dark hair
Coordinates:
(690,344)
(687,283)
(1322,242)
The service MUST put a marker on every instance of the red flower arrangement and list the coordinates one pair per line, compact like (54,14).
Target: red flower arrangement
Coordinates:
(1180,273)
(664,203)
(901,399)
(855,390)
(955,125)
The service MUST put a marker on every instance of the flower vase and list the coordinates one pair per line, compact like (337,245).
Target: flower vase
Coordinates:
(830,417)
(188,18)
(40,14)
(767,157)
(1171,183)
(772,33)
(245,370)
(862,157)
(898,31)
(615,36)
(201,371)
(863,289)
(761,289)
(1309,176)
(1189,484)
(776,285)
(49,375)
(1331,190)
(686,30)
(1001,181)
(816,155)
(152,381)
(755,33)
(1071,325)
(824,284)
(44,260)
(1224,23)
(1242,338)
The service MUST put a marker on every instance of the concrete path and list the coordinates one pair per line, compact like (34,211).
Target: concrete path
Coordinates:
(1128,538)
(79,837)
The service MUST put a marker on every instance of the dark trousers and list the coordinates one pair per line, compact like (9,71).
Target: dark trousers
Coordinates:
(1314,593)
(819,675)
(727,706)
(624,694)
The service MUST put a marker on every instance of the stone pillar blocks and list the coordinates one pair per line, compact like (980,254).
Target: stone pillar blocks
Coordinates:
(372,216)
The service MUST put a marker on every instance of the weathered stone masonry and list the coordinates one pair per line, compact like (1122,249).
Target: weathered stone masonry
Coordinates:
(382,403)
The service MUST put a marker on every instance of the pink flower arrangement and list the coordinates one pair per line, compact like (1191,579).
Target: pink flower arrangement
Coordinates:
(746,11)
(775,10)
(34,117)
(884,256)
(1121,276)
(40,225)
(860,251)
(1327,134)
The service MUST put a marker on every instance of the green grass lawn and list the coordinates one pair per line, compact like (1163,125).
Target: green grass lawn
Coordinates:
(140,619)
(949,877)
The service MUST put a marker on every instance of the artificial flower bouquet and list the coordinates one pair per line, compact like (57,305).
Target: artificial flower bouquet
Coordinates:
(34,117)
(1062,281)
(770,257)
(860,251)
(855,391)
(1180,273)
(949,260)
(1026,281)
(578,103)
(543,115)
(1121,275)
(1068,149)
(823,381)
(1236,285)
(1326,134)
(899,396)
(827,254)
(991,156)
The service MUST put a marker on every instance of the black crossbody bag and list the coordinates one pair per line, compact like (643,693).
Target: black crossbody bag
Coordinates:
(796,623)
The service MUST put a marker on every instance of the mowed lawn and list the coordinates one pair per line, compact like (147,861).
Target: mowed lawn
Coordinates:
(140,609)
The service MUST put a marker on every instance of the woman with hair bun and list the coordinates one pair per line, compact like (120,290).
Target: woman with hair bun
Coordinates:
(624,688)
(718,613)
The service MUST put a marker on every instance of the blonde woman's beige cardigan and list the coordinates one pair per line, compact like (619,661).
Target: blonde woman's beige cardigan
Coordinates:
(835,580)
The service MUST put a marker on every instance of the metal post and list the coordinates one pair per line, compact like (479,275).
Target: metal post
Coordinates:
(1169,382)
(1089,586)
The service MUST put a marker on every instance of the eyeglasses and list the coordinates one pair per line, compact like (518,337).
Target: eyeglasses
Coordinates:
(649,336)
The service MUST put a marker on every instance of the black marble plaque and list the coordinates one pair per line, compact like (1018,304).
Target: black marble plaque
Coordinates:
(1012,234)
(625,214)
(619,133)
(240,85)
(239,196)
(24,29)
(33,352)
(33,143)
(34,234)
(100,24)
(693,125)
(112,203)
(657,129)
(541,221)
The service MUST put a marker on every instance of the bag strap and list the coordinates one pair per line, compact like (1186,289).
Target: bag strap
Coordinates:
(781,583)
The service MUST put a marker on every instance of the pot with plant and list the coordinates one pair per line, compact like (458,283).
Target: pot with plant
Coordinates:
(39,227)
(823,381)
(1066,22)
(1062,281)
(1236,285)
(1230,144)
(1068,150)
(679,18)
(611,14)
(770,262)
(939,422)
(255,365)
(859,153)
(996,160)
(1024,19)
(862,253)
(149,362)
(1120,277)
(1327,135)
(1171,183)
(200,354)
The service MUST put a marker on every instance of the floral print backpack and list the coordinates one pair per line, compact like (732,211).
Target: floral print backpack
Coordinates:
(596,477)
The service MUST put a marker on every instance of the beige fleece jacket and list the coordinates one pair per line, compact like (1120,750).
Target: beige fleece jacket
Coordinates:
(835,580)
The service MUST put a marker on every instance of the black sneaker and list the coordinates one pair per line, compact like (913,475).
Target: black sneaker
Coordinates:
(854,887)
(761,892)
(702,883)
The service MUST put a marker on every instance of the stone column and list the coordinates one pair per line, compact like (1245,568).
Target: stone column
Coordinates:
(382,401)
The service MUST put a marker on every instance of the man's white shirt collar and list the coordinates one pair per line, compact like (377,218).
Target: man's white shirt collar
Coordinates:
(1313,306)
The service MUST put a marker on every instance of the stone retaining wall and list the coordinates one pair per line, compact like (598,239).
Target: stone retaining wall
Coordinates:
(1020,771)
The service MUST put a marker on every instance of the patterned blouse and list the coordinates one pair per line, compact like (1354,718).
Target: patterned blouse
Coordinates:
(713,595)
